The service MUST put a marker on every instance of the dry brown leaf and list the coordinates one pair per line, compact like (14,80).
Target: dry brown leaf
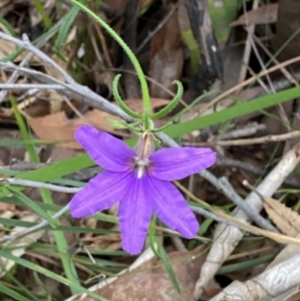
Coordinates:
(166,56)
(262,15)
(286,220)
(151,282)
(6,48)
(57,127)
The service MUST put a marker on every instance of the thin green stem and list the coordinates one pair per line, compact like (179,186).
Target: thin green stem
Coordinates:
(132,57)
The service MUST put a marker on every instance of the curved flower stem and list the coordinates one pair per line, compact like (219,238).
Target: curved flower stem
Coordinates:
(173,102)
(120,102)
(135,62)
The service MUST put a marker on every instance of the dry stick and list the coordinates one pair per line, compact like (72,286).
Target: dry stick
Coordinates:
(225,235)
(284,71)
(30,86)
(240,142)
(247,131)
(248,41)
(21,182)
(272,282)
(82,93)
(42,224)
(24,62)
(30,47)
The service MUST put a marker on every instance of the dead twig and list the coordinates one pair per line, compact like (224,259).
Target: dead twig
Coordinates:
(250,141)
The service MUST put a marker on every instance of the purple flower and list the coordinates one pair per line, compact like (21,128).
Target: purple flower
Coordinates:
(141,181)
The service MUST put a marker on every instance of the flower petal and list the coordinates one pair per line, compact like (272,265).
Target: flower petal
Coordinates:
(100,193)
(170,206)
(176,163)
(106,150)
(135,211)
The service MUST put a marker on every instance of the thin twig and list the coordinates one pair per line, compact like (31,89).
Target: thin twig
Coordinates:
(248,45)
(21,182)
(241,142)
(39,226)
(24,62)
(250,130)
(17,86)
(26,44)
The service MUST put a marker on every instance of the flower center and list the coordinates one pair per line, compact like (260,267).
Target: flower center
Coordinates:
(141,166)
(144,149)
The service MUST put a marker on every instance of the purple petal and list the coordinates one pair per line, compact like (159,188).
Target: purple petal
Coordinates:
(100,193)
(135,211)
(106,150)
(176,163)
(170,206)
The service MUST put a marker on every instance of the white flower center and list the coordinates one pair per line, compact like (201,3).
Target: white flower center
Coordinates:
(141,165)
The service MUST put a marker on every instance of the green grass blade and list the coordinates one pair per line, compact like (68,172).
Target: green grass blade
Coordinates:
(50,274)
(238,110)
(65,28)
(168,265)
(11,293)
(8,26)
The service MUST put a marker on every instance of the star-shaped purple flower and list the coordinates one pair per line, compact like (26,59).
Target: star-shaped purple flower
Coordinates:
(141,181)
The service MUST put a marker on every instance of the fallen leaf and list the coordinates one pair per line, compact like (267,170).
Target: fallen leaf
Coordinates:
(152,282)
(57,127)
(286,220)
(262,15)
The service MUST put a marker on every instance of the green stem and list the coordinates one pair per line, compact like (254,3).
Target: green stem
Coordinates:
(132,57)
